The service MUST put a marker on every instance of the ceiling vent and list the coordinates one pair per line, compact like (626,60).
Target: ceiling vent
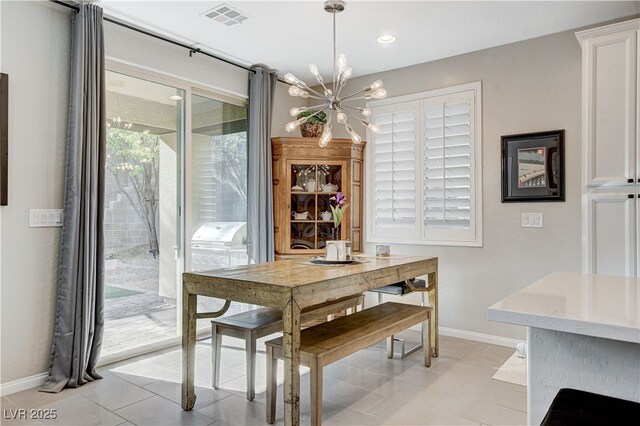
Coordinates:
(226,15)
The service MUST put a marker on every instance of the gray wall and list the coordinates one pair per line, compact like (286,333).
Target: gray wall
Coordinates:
(526,87)
(282,103)
(35,52)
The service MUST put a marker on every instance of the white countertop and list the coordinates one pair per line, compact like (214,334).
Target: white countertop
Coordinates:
(592,305)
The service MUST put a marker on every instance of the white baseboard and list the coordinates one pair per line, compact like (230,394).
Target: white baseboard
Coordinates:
(480,337)
(23,384)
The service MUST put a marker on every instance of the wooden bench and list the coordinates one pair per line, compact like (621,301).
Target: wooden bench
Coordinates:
(258,323)
(326,343)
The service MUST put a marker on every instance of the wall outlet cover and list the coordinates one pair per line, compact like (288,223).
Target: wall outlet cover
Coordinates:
(531,220)
(45,218)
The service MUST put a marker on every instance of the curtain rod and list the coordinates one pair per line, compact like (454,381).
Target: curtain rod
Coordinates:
(191,49)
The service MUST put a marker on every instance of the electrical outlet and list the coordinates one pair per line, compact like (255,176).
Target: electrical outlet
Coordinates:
(531,220)
(45,218)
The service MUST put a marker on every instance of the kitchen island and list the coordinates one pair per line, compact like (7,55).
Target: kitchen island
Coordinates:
(583,332)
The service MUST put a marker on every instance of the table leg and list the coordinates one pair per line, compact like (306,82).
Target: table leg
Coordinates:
(433,323)
(189,304)
(291,348)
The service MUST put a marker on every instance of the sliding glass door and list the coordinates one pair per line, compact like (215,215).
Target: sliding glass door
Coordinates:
(175,200)
(144,139)
(218,208)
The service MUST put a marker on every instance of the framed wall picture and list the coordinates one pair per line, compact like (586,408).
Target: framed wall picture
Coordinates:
(533,167)
(4,138)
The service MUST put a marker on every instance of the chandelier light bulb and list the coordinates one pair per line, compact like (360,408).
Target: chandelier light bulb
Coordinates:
(296,91)
(346,76)
(290,127)
(341,117)
(341,63)
(371,126)
(354,136)
(291,79)
(295,111)
(378,84)
(366,112)
(378,94)
(313,68)
(326,136)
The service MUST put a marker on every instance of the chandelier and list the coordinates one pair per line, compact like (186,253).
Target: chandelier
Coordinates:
(118,123)
(330,98)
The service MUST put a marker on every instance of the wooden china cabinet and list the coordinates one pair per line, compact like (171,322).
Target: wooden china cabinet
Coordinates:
(305,177)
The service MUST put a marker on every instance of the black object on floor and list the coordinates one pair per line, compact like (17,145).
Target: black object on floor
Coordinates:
(575,407)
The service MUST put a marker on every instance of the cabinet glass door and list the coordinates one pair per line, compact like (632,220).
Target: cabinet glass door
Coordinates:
(312,186)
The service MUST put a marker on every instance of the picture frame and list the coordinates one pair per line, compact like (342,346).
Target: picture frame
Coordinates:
(533,167)
(4,139)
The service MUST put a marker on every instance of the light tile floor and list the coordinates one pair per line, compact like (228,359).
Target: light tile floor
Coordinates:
(363,389)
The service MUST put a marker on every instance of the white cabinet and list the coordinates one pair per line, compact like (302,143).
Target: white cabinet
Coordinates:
(610,76)
(611,148)
(612,232)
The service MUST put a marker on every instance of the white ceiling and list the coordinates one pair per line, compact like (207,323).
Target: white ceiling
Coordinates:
(287,35)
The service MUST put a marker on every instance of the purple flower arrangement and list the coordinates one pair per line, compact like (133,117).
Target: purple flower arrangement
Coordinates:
(338,209)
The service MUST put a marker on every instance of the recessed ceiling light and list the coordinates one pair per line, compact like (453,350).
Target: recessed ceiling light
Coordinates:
(386,39)
(175,97)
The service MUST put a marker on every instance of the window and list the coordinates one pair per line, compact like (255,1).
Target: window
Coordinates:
(425,168)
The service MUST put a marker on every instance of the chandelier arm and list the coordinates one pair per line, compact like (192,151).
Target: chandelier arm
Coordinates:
(348,106)
(323,86)
(352,114)
(354,94)
(317,112)
(340,86)
(322,98)
(316,106)
(309,89)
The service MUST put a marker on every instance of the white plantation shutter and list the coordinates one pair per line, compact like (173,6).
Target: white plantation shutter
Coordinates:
(394,169)
(447,162)
(425,165)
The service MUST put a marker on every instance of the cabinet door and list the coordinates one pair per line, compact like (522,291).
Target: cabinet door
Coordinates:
(612,234)
(610,79)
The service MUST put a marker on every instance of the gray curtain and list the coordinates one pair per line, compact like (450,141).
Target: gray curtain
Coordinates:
(80,304)
(260,244)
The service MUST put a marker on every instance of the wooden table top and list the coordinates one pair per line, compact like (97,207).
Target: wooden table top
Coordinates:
(275,283)
(292,273)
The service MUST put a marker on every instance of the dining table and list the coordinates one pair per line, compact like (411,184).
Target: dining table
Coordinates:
(292,285)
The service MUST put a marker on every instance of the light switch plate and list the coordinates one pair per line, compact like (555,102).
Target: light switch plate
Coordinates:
(45,218)
(531,220)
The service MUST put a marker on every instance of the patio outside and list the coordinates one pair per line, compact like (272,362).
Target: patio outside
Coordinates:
(135,313)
